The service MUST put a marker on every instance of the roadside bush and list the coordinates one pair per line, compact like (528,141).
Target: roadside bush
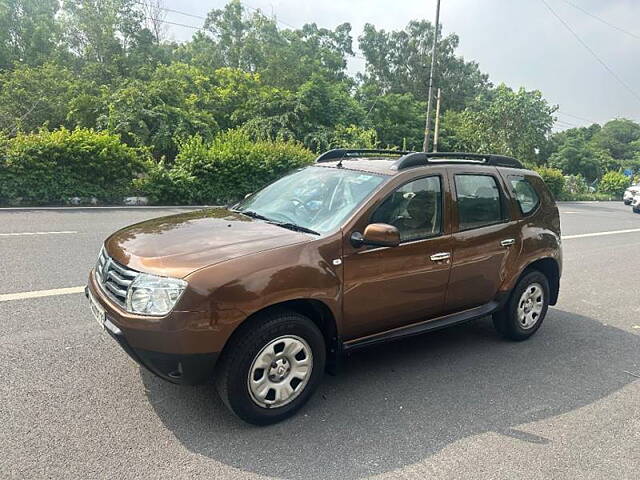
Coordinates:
(553,178)
(50,166)
(613,183)
(575,185)
(223,170)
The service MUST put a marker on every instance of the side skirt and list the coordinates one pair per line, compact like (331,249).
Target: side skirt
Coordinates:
(422,327)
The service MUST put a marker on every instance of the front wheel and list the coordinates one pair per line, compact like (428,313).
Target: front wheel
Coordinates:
(271,367)
(524,312)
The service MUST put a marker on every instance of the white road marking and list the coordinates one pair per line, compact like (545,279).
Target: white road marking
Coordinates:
(5,297)
(599,234)
(18,234)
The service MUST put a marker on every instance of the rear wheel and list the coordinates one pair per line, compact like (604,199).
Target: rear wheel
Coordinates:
(271,367)
(524,312)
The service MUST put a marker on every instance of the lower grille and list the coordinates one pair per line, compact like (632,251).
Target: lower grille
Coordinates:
(113,278)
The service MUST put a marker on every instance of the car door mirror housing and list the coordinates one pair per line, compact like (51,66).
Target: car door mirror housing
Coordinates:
(377,235)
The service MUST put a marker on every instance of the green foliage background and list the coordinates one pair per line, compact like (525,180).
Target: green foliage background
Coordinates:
(157,116)
(222,170)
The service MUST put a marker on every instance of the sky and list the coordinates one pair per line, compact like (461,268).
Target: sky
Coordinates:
(516,42)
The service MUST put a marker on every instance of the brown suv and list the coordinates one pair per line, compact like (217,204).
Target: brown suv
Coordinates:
(363,247)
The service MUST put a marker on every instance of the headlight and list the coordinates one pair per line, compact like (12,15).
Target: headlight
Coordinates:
(153,295)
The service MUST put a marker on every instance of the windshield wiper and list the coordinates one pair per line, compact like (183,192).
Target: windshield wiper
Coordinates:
(252,214)
(295,227)
(289,225)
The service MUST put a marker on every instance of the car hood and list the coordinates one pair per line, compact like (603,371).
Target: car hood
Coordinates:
(178,245)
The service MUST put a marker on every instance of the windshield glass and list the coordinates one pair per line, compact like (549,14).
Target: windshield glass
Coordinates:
(315,198)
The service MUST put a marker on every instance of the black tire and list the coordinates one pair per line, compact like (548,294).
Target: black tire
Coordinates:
(506,321)
(627,202)
(232,372)
(635,210)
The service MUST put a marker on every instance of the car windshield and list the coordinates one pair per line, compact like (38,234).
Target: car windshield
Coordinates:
(314,199)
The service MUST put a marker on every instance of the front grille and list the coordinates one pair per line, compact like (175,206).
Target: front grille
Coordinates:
(113,278)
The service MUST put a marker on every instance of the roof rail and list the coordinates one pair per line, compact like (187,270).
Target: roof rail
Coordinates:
(343,152)
(421,158)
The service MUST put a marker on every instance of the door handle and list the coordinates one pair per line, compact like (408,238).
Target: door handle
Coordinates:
(438,257)
(508,242)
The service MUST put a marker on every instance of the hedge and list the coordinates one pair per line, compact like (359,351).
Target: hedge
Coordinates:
(223,170)
(614,184)
(553,178)
(49,167)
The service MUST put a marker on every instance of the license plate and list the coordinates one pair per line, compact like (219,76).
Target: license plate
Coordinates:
(97,310)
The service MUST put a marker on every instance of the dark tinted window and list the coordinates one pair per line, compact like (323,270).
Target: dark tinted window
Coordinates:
(415,209)
(478,201)
(526,195)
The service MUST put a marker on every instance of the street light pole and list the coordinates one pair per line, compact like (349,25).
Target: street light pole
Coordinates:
(427,127)
(436,130)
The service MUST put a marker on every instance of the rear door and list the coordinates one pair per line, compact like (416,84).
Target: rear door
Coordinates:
(486,237)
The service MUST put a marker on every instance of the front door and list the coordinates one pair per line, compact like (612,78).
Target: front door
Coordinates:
(389,287)
(485,238)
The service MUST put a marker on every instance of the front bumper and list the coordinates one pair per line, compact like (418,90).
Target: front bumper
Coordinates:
(181,367)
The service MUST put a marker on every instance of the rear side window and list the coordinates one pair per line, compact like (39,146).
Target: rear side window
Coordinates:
(526,195)
(479,202)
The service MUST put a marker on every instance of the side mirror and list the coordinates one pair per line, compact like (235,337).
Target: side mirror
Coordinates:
(378,235)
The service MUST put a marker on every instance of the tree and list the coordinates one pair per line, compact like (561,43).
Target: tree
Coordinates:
(31,98)
(100,32)
(341,136)
(201,51)
(398,62)
(154,14)
(504,121)
(29,33)
(104,64)
(178,101)
(576,157)
(285,58)
(612,147)
(398,118)
(324,104)
(619,137)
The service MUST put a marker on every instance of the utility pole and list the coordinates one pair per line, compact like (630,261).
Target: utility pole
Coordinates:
(436,130)
(427,127)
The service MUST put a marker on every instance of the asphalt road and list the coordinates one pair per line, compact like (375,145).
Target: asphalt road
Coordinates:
(459,403)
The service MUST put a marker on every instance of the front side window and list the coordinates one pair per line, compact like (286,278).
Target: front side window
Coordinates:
(478,200)
(525,194)
(415,209)
(315,198)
